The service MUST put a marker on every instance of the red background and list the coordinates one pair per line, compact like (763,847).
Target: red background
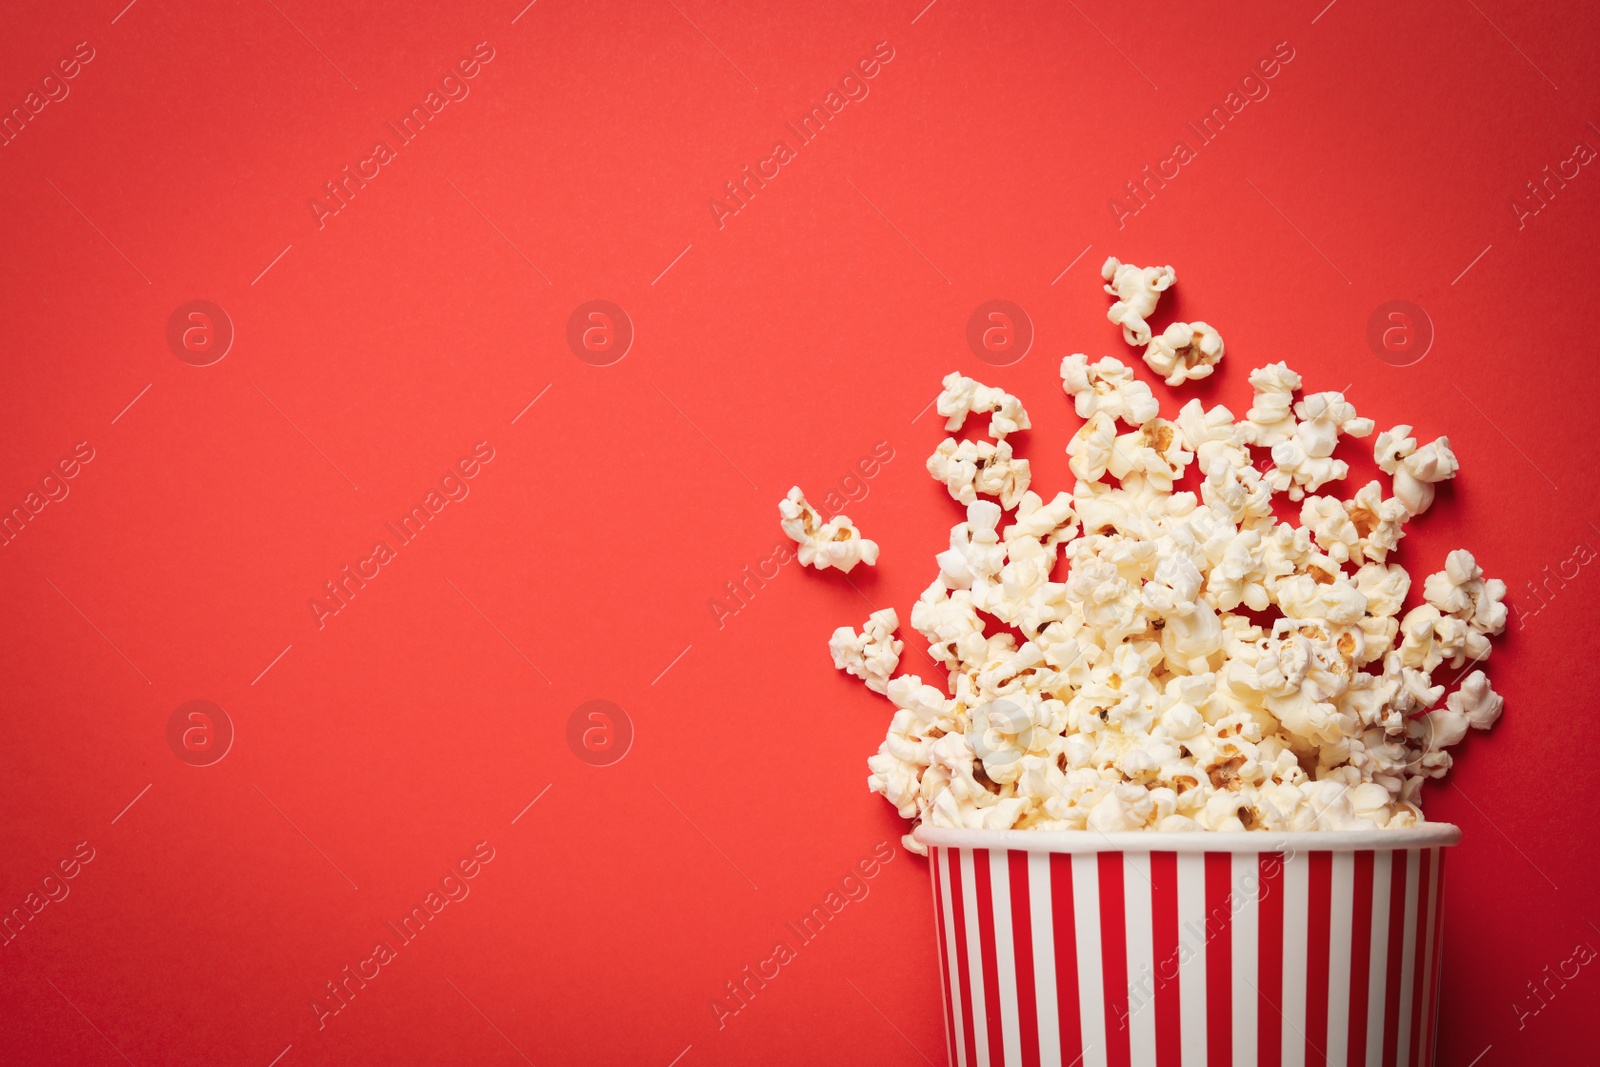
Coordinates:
(780,348)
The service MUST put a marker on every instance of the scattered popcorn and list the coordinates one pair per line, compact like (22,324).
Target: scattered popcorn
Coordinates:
(1185,351)
(871,655)
(1099,667)
(836,543)
(1138,290)
(968,468)
(963,396)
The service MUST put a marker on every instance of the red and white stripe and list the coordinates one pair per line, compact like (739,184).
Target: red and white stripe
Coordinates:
(1188,958)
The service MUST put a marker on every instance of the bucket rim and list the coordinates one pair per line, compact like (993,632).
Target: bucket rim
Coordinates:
(1248,842)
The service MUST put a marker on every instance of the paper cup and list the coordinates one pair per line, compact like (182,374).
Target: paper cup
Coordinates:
(1183,949)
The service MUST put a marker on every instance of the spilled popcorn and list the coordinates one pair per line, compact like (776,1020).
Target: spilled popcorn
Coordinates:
(1202,665)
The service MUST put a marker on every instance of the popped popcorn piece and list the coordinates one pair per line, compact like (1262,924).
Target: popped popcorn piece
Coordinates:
(836,543)
(1136,692)
(1379,523)
(1303,460)
(1475,704)
(1392,446)
(1415,470)
(1185,351)
(1385,587)
(1271,418)
(1212,434)
(1238,493)
(1153,453)
(1049,523)
(963,396)
(871,655)
(1107,386)
(968,468)
(1323,417)
(975,551)
(1138,290)
(1090,448)
(1461,591)
(948,620)
(1330,525)
(1477,701)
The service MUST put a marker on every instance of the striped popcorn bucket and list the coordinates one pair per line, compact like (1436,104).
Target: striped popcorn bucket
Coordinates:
(1189,949)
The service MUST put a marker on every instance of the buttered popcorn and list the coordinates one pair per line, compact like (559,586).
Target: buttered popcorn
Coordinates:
(1130,689)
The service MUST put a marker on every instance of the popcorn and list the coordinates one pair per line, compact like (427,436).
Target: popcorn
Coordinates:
(1323,416)
(963,396)
(1138,290)
(1302,458)
(975,550)
(1128,656)
(1107,386)
(1185,351)
(836,543)
(1480,704)
(1050,523)
(871,655)
(1153,454)
(1475,704)
(968,468)
(1392,446)
(1271,418)
(1461,591)
(1212,434)
(1379,523)
(1416,470)
(1090,448)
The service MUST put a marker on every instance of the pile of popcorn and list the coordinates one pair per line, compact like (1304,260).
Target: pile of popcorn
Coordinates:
(1202,665)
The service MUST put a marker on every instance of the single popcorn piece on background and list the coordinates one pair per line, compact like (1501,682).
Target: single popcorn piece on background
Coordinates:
(1415,470)
(1138,290)
(968,468)
(1479,703)
(836,543)
(1185,351)
(871,655)
(1107,386)
(964,396)
(1129,655)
